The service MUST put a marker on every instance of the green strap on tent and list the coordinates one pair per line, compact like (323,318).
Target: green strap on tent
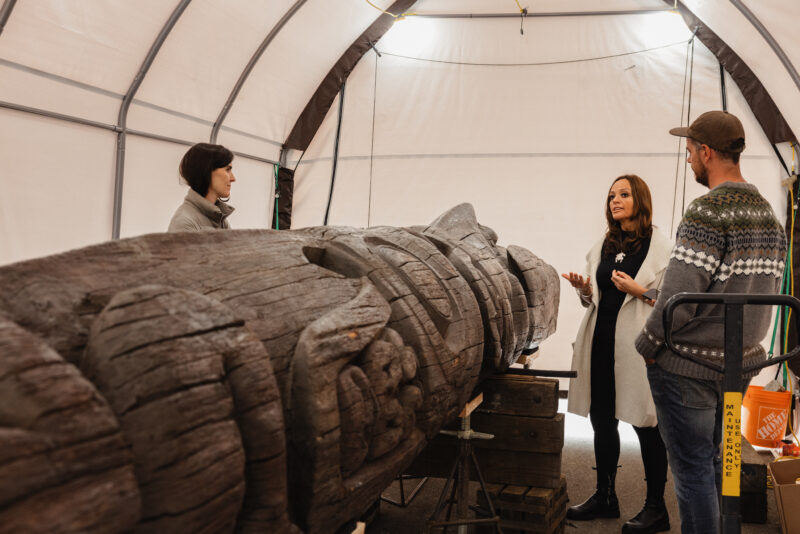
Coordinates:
(277,196)
(787,276)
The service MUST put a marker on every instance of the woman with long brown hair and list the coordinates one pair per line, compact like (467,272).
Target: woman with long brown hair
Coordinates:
(623,272)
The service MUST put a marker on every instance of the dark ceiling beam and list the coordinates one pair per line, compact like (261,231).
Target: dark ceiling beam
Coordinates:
(312,116)
(766,112)
(249,68)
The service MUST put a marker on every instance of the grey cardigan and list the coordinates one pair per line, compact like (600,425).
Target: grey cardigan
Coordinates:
(196,213)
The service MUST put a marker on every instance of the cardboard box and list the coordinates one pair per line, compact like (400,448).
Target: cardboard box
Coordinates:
(787,493)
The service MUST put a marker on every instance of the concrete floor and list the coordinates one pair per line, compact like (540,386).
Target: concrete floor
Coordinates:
(577,460)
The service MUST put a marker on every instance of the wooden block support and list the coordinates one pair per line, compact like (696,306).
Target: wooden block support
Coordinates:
(529,510)
(470,406)
(520,433)
(498,466)
(520,395)
(526,449)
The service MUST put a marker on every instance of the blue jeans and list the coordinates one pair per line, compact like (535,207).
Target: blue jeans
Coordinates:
(689,414)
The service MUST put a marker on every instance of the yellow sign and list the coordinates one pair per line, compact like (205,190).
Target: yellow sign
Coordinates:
(731,444)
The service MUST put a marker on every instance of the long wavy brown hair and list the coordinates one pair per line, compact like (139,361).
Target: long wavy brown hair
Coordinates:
(630,242)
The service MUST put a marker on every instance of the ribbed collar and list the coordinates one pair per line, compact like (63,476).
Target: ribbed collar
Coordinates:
(216,211)
(737,185)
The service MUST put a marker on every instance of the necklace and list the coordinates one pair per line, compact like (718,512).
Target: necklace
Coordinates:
(620,257)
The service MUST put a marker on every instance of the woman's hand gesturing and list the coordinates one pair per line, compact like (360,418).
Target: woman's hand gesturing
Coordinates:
(580,283)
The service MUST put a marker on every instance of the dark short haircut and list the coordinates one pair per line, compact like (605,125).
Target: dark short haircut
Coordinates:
(732,156)
(200,161)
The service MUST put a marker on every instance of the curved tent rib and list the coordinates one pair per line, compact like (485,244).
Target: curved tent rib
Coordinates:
(249,68)
(312,116)
(787,63)
(126,104)
(538,15)
(309,121)
(764,109)
(5,12)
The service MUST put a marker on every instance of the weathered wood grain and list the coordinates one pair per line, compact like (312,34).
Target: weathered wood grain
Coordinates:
(195,396)
(64,465)
(215,350)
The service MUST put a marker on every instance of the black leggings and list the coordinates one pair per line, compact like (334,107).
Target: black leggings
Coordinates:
(606,426)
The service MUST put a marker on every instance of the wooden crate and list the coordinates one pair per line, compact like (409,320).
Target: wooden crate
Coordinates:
(528,510)
(502,467)
(526,449)
(520,395)
(520,433)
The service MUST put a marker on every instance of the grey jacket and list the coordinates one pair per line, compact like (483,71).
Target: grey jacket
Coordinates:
(196,213)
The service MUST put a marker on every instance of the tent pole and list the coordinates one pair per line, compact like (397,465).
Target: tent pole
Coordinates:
(123,113)
(723,95)
(249,68)
(533,14)
(335,153)
(114,128)
(769,39)
(5,13)
(761,104)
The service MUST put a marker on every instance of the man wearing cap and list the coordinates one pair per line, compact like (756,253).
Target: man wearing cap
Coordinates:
(729,241)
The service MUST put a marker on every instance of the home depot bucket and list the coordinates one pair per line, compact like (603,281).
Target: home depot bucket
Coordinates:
(764,416)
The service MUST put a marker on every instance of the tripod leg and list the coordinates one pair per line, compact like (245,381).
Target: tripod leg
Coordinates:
(463,480)
(452,498)
(485,491)
(442,495)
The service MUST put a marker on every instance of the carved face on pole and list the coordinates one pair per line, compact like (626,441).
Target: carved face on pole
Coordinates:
(353,347)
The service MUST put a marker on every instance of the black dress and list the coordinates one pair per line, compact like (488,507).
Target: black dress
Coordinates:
(603,388)
(603,392)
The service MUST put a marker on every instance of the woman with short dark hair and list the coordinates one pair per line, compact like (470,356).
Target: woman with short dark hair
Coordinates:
(624,270)
(208,171)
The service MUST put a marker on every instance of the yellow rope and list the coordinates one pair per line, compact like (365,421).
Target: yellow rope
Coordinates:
(791,292)
(521,10)
(396,17)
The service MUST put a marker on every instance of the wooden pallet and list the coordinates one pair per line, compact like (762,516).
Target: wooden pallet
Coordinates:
(527,509)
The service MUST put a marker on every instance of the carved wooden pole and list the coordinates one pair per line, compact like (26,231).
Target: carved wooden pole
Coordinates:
(251,380)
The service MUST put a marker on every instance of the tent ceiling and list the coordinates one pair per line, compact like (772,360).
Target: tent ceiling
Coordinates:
(528,127)
(206,47)
(539,6)
(100,44)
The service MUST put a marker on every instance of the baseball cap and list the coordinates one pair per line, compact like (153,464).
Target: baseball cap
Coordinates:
(718,129)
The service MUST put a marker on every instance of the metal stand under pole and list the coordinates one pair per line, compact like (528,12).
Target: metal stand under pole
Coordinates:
(457,484)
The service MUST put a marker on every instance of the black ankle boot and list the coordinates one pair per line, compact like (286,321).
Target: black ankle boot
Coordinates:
(603,503)
(653,518)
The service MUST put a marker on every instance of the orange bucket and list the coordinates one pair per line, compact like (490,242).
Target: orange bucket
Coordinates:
(764,416)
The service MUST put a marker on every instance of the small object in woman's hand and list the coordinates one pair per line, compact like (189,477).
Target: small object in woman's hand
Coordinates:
(650,294)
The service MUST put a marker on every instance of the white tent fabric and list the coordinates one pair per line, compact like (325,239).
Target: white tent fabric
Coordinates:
(531,128)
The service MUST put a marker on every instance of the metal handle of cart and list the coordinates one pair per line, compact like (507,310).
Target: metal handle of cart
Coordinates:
(732,371)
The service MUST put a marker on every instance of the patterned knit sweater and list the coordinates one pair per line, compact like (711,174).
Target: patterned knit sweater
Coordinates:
(729,241)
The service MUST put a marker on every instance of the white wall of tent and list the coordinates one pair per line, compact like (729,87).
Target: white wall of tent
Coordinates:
(529,118)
